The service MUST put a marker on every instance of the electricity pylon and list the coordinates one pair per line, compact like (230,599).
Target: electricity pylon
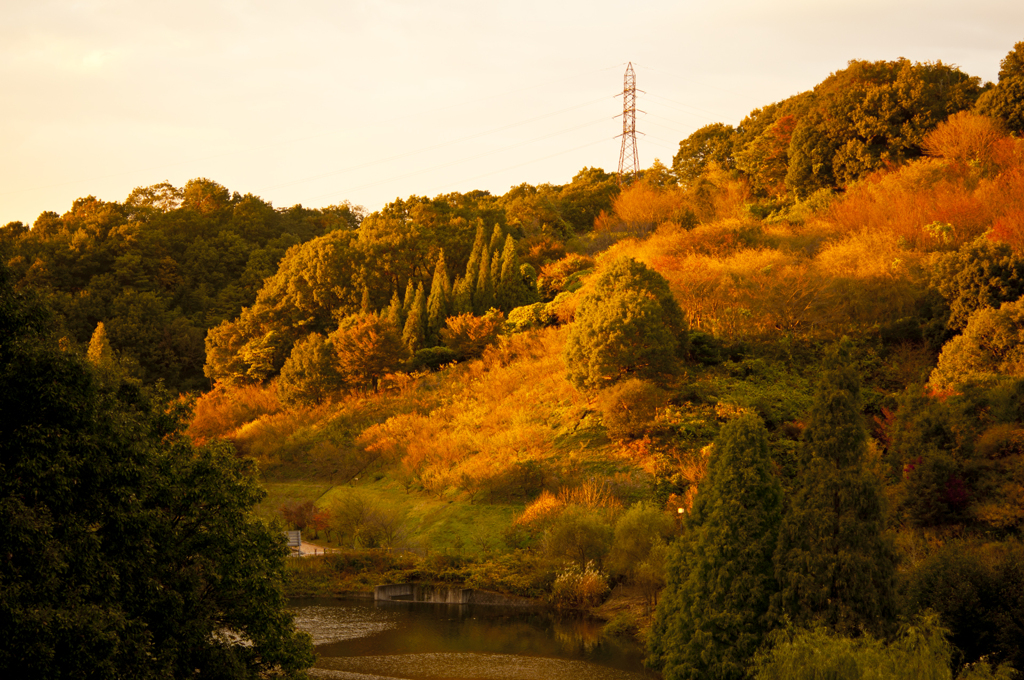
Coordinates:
(628,161)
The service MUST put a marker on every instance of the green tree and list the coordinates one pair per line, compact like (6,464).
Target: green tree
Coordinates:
(628,325)
(870,115)
(835,563)
(129,552)
(438,304)
(981,274)
(483,293)
(414,334)
(512,290)
(714,614)
(1005,101)
(709,144)
(367,347)
(991,346)
(580,535)
(309,374)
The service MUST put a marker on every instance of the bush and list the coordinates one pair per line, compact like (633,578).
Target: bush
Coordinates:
(530,316)
(433,358)
(468,336)
(992,345)
(579,534)
(579,587)
(629,408)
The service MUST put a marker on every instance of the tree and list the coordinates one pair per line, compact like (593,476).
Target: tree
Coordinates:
(981,274)
(834,563)
(870,115)
(439,302)
(483,292)
(309,374)
(129,552)
(1005,101)
(714,615)
(709,144)
(991,346)
(468,336)
(414,334)
(366,347)
(512,290)
(628,325)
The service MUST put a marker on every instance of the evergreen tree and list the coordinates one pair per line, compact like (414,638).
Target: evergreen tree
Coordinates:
(415,332)
(473,265)
(462,297)
(834,563)
(410,298)
(396,315)
(512,290)
(483,294)
(714,614)
(100,353)
(438,303)
(628,326)
(497,239)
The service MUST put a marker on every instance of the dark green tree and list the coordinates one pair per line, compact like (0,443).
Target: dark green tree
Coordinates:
(710,144)
(627,326)
(714,614)
(981,274)
(483,293)
(128,552)
(512,290)
(835,563)
(414,334)
(439,303)
(309,374)
(1005,101)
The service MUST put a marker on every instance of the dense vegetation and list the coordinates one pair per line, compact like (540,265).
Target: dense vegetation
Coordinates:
(775,390)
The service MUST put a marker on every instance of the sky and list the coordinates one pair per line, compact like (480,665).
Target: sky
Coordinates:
(318,102)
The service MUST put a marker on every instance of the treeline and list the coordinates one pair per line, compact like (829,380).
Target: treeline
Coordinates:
(160,268)
(167,264)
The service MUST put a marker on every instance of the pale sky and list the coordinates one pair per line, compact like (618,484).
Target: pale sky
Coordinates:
(318,102)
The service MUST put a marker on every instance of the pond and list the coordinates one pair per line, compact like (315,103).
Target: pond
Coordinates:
(365,640)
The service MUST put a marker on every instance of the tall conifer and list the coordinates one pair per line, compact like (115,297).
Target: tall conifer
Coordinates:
(438,302)
(396,314)
(512,291)
(714,613)
(414,334)
(483,293)
(473,265)
(497,239)
(834,562)
(410,298)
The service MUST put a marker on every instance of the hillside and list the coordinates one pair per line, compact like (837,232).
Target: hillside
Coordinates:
(534,392)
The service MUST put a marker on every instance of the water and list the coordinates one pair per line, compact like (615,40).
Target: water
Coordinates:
(364,640)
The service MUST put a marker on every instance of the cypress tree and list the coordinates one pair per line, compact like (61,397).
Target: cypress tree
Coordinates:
(415,332)
(834,563)
(100,353)
(438,302)
(396,314)
(497,238)
(512,291)
(483,293)
(462,297)
(714,613)
(473,265)
(410,298)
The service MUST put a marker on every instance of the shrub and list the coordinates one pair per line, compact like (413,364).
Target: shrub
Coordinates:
(992,345)
(433,358)
(529,316)
(468,336)
(579,587)
(628,408)
(579,534)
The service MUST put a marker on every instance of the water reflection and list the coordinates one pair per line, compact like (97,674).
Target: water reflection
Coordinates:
(365,639)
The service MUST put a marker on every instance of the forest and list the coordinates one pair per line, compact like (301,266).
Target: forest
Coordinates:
(762,408)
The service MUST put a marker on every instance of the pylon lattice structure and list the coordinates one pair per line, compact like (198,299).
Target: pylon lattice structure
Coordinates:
(628,161)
